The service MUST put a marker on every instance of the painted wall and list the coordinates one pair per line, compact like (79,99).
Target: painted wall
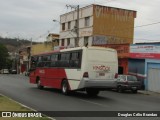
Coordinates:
(71,17)
(115,23)
(41,48)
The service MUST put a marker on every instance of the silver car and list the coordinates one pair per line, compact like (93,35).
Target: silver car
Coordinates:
(128,82)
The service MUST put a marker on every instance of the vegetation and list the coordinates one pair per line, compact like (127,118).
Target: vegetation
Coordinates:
(13,43)
(9,105)
(3,57)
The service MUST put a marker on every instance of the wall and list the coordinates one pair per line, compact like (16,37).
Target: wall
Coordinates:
(71,17)
(137,67)
(41,48)
(150,63)
(115,23)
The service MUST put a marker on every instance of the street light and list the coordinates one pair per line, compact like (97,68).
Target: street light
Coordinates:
(55,21)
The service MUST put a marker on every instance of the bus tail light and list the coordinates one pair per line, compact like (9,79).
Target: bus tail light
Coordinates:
(85,75)
(116,75)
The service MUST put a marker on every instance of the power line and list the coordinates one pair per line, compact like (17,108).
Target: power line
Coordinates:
(147,24)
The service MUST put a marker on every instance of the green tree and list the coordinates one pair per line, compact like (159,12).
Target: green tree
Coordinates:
(3,56)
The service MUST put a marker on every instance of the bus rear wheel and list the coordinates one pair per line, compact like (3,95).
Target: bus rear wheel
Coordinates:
(92,92)
(39,86)
(65,87)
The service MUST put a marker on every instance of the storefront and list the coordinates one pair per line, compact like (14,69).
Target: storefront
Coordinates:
(144,62)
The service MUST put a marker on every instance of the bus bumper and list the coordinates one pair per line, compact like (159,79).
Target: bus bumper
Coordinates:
(98,84)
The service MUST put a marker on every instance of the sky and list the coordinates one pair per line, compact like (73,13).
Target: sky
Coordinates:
(26,19)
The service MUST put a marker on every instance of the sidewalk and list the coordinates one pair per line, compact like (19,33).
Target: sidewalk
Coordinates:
(146,92)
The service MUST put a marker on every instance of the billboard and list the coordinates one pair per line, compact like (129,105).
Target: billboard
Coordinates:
(145,51)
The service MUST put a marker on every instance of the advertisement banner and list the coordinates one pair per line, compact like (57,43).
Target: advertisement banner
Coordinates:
(145,51)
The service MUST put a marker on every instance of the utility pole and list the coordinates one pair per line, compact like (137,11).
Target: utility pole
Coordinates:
(29,57)
(77,24)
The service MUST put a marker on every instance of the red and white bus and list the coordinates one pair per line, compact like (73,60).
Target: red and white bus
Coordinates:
(83,68)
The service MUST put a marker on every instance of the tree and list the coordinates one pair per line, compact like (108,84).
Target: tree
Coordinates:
(3,56)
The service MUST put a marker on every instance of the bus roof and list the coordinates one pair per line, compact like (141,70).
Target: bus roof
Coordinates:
(76,48)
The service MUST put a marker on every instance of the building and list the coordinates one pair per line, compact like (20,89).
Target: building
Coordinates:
(144,62)
(23,64)
(98,25)
(51,43)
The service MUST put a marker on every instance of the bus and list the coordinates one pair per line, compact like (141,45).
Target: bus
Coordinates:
(90,69)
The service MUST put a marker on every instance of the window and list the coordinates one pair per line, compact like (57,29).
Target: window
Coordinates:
(65,58)
(68,41)
(46,58)
(76,23)
(86,40)
(40,58)
(54,57)
(76,42)
(63,26)
(69,25)
(87,21)
(62,42)
(47,64)
(40,64)
(75,61)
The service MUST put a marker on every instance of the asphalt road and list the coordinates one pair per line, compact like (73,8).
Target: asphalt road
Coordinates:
(18,88)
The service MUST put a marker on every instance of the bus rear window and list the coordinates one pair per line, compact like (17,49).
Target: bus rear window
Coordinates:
(102,55)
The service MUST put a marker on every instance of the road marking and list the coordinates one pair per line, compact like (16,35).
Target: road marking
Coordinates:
(102,105)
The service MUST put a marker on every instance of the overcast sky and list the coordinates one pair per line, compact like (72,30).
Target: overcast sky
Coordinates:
(33,18)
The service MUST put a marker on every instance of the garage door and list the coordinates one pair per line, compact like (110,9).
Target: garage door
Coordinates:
(154,80)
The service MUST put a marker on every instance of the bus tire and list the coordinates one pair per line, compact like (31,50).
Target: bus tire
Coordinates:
(39,86)
(65,87)
(119,89)
(92,92)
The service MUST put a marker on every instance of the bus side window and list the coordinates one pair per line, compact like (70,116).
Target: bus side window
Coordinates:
(47,64)
(75,60)
(40,64)
(54,60)
(64,62)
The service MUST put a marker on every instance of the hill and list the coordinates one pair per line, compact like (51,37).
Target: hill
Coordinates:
(13,44)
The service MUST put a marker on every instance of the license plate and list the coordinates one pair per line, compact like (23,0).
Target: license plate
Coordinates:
(101,74)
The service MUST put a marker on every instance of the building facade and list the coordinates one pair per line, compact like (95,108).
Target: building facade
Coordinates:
(97,25)
(144,62)
(51,43)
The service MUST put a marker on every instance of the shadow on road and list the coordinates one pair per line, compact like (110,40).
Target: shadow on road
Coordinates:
(75,94)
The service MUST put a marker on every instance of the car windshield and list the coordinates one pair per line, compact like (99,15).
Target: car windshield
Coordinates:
(131,78)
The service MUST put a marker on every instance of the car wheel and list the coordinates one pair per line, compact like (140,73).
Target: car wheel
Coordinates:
(65,87)
(39,86)
(119,89)
(92,92)
(134,91)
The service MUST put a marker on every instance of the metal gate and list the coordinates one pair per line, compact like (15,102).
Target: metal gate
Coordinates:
(154,80)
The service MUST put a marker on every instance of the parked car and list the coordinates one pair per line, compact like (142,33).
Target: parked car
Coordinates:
(13,71)
(4,71)
(128,82)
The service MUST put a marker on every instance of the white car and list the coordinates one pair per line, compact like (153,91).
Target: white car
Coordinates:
(5,71)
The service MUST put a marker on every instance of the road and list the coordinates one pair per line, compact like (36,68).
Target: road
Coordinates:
(18,88)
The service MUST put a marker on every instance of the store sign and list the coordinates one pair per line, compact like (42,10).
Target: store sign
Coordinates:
(145,51)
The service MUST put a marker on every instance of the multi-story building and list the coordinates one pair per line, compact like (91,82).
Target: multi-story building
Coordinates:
(97,25)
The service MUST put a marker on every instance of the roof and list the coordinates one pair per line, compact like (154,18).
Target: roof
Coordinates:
(100,6)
